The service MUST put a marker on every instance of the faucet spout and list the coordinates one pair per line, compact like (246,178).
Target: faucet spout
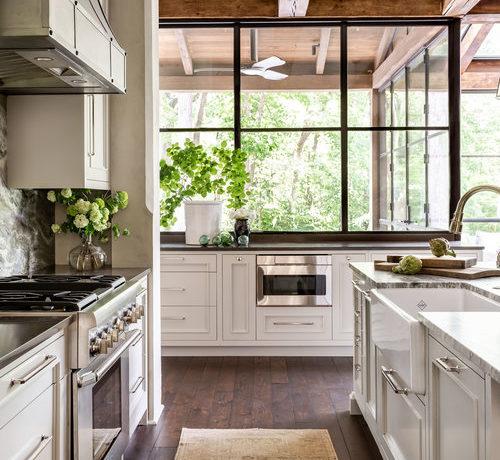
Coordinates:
(456,222)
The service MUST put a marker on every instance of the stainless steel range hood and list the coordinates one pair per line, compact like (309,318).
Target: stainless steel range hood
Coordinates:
(58,47)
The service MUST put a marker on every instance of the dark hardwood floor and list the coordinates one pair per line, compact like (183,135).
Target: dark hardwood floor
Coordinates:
(261,392)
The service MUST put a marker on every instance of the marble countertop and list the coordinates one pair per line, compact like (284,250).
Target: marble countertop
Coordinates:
(316,246)
(474,335)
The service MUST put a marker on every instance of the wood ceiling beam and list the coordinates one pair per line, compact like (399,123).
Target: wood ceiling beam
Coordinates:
(486,7)
(479,81)
(322,50)
(481,18)
(189,9)
(417,38)
(292,83)
(458,7)
(292,8)
(472,40)
(484,66)
(384,45)
(187,62)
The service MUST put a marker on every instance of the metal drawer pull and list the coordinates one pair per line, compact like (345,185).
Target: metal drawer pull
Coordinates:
(175,289)
(286,323)
(173,258)
(138,340)
(176,318)
(137,384)
(44,441)
(389,377)
(49,359)
(443,363)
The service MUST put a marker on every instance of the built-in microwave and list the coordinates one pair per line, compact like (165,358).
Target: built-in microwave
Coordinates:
(294,280)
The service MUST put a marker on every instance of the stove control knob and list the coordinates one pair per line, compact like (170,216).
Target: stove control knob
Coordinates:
(119,325)
(106,337)
(98,346)
(141,310)
(130,316)
(114,333)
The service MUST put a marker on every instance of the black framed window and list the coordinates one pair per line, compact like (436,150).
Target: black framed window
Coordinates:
(337,142)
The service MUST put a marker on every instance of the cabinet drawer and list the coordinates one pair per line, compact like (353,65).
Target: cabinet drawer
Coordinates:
(401,417)
(294,323)
(22,384)
(188,263)
(30,433)
(137,382)
(194,323)
(188,289)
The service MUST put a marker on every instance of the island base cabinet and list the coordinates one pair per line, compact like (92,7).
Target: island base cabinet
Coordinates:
(456,407)
(30,434)
(400,417)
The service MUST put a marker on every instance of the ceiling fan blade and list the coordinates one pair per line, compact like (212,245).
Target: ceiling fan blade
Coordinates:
(251,71)
(273,75)
(272,61)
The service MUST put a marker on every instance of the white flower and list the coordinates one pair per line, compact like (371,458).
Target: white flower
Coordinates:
(55,228)
(66,192)
(95,216)
(242,213)
(99,226)
(114,209)
(51,196)
(80,221)
(82,206)
(94,206)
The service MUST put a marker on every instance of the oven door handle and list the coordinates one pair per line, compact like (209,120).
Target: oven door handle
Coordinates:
(260,284)
(91,377)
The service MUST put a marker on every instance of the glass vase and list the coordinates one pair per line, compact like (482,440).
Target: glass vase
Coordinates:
(87,256)
(241,227)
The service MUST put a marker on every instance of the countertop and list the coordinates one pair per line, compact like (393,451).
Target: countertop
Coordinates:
(323,246)
(474,335)
(18,335)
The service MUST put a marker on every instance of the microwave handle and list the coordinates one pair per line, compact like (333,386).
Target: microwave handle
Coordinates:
(260,284)
(91,377)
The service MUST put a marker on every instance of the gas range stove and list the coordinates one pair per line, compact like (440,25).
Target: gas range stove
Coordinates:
(45,300)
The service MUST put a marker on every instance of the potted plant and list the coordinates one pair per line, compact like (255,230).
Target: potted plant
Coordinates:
(191,172)
(89,214)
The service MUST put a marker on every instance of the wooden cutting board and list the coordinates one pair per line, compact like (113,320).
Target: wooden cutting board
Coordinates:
(440,262)
(471,273)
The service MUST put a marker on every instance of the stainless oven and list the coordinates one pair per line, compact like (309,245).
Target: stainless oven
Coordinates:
(294,280)
(101,403)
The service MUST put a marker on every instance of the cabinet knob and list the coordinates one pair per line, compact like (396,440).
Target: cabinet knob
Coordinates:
(239,259)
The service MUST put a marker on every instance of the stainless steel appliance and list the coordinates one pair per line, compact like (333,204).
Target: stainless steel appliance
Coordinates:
(108,313)
(294,280)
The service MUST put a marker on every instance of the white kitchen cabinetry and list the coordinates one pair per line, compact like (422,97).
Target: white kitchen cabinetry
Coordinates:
(188,298)
(456,407)
(67,134)
(400,416)
(238,296)
(35,404)
(343,296)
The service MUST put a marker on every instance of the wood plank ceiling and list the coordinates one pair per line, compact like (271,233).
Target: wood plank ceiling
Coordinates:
(201,59)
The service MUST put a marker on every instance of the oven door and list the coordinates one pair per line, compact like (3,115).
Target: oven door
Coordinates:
(294,285)
(100,404)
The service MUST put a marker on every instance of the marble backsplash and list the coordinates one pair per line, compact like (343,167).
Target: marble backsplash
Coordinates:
(26,242)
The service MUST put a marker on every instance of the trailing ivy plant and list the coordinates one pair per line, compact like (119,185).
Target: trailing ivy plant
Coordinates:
(191,171)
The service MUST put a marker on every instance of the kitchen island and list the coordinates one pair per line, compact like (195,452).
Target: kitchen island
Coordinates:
(426,362)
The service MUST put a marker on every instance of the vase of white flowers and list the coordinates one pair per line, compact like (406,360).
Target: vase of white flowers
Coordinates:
(89,215)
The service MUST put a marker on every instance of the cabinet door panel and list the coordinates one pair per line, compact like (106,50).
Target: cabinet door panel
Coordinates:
(239,297)
(457,414)
(343,300)
(97,161)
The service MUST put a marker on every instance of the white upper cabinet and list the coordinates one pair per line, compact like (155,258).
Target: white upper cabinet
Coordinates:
(58,141)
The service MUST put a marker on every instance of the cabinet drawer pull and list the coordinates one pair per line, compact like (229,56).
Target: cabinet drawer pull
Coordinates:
(176,318)
(173,258)
(389,377)
(292,323)
(44,441)
(175,289)
(443,363)
(137,384)
(239,259)
(138,340)
(26,378)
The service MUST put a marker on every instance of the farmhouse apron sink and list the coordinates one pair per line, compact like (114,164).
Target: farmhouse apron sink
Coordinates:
(399,335)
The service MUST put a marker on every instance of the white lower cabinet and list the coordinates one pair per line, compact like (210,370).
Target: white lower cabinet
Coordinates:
(456,407)
(343,296)
(297,324)
(238,297)
(400,417)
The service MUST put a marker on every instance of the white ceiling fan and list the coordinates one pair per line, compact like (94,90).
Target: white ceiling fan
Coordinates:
(263,69)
